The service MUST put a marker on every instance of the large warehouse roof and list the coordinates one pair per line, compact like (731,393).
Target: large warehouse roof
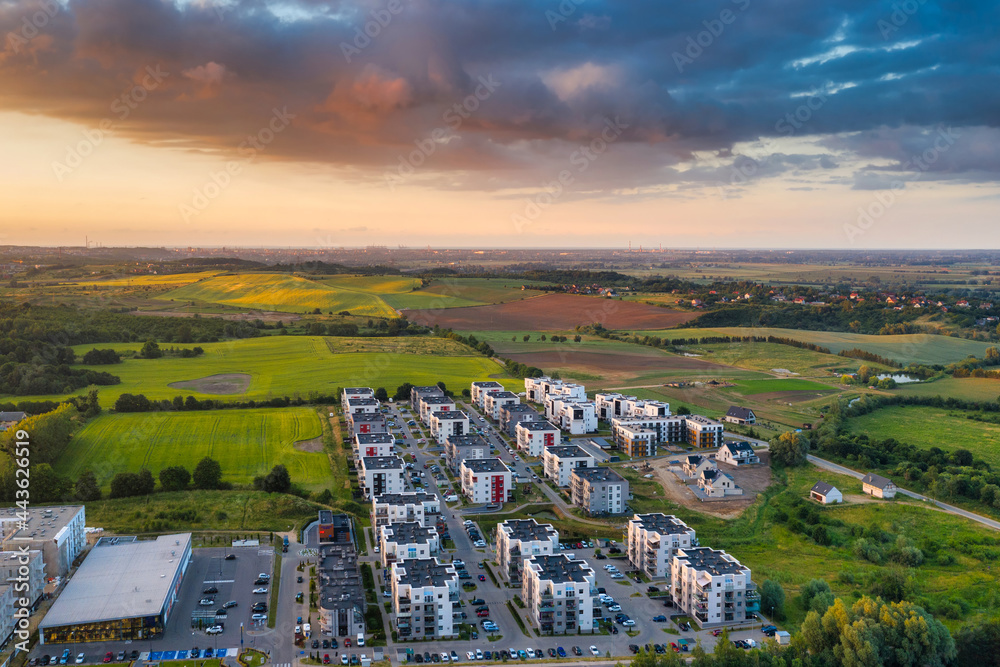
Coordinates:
(122,580)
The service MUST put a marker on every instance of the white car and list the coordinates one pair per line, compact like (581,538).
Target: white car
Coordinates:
(615,608)
(479,543)
(617,575)
(214,630)
(298,629)
(259,617)
(609,567)
(377,549)
(629,623)
(479,654)
(530,652)
(80,658)
(260,591)
(444,656)
(593,650)
(470,655)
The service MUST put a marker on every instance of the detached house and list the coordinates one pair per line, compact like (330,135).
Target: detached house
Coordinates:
(737,454)
(878,486)
(740,415)
(825,494)
(695,463)
(717,484)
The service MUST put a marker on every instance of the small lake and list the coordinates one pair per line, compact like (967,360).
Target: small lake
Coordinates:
(900,378)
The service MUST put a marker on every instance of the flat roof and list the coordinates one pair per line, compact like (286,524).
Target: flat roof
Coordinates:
(664,524)
(42,524)
(501,394)
(375,438)
(420,572)
(359,390)
(121,580)
(486,384)
(704,559)
(538,426)
(405,498)
(527,529)
(485,465)
(567,452)
(339,579)
(438,400)
(468,441)
(367,417)
(560,569)
(362,401)
(450,414)
(517,407)
(408,532)
(382,463)
(698,419)
(598,474)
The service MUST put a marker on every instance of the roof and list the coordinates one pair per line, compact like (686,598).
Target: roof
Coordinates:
(408,532)
(362,401)
(559,568)
(527,529)
(487,384)
(567,452)
(694,459)
(598,474)
(485,465)
(421,572)
(359,390)
(406,498)
(121,580)
(468,441)
(823,488)
(44,523)
(737,447)
(664,524)
(366,417)
(437,400)
(339,579)
(375,438)
(739,412)
(876,480)
(711,474)
(382,463)
(501,395)
(711,561)
(704,421)
(538,426)
(12,416)
(449,414)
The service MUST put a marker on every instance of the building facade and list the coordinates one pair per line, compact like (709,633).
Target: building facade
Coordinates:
(494,401)
(559,594)
(653,539)
(535,437)
(389,508)
(599,490)
(480,389)
(486,481)
(406,541)
(381,474)
(374,444)
(519,539)
(466,447)
(514,414)
(712,587)
(447,424)
(424,597)
(560,461)
(58,532)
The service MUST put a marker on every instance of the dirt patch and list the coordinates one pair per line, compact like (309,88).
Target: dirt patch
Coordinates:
(792,396)
(552,312)
(314,445)
(222,384)
(752,479)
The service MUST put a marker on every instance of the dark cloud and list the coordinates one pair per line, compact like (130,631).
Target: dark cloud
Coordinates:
(689,79)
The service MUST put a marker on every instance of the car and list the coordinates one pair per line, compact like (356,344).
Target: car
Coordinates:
(121,656)
(652,589)
(561,652)
(483,614)
(600,557)
(634,648)
(594,651)
(552,653)
(614,629)
(628,623)
(221,611)
(259,606)
(482,577)
(207,653)
(522,654)
(261,582)
(108,657)
(617,575)
(298,629)
(479,543)
(347,642)
(214,630)
(469,655)
(660,619)
(260,591)
(435,657)
(264,575)
(769,628)
(478,601)
(615,607)
(454,657)
(315,643)
(675,647)
(258,617)
(716,632)
(479,654)
(427,656)
(206,602)
(230,604)
(659,648)
(343,659)
(685,627)
(299,579)
(211,590)
(577,650)
(326,658)
(530,652)
(80,657)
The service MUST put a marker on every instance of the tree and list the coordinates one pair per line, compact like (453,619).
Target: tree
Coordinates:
(979,644)
(47,486)
(125,485)
(207,474)
(174,478)
(184,334)
(132,403)
(442,387)
(772,599)
(789,449)
(86,487)
(381,395)
(145,484)
(527,337)
(403,392)
(276,481)
(150,350)
(577,338)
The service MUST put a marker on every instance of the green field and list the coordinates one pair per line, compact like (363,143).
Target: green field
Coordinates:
(750,387)
(931,427)
(904,348)
(246,443)
(298,365)
(969,389)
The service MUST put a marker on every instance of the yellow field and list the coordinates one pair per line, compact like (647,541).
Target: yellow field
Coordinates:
(149,280)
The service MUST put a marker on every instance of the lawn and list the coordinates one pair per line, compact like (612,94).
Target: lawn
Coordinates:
(287,293)
(931,427)
(299,365)
(245,442)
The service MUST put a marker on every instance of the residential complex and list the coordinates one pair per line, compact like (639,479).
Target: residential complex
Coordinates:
(599,490)
(480,389)
(653,539)
(381,474)
(712,587)
(494,401)
(430,404)
(486,481)
(535,436)
(691,429)
(424,596)
(402,541)
(366,422)
(355,406)
(58,532)
(516,413)
(374,444)
(389,508)
(519,539)
(559,594)
(561,460)
(418,393)
(448,423)
(465,447)
(341,592)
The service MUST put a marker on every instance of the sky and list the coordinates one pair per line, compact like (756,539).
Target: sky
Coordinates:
(458,123)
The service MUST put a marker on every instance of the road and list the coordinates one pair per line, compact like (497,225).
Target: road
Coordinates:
(951,509)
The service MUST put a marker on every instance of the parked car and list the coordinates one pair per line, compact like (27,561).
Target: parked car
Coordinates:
(80,657)
(108,657)
(211,590)
(577,650)
(206,602)
(260,591)
(561,652)
(326,658)
(478,601)
(594,651)
(215,630)
(660,619)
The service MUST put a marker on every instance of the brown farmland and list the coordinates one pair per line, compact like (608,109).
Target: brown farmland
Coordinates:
(552,312)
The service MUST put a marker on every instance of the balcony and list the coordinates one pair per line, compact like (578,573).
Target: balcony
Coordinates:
(403,600)
(701,615)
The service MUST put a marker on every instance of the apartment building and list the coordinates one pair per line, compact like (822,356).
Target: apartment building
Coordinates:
(493,401)
(536,389)
(534,437)
(610,405)
(366,422)
(463,448)
(486,481)
(368,406)
(516,413)
(519,539)
(341,592)
(419,506)
(18,569)
(430,404)
(381,474)
(480,389)
(653,539)
(692,429)
(572,415)
(636,440)
(424,598)
(614,405)
(448,424)
(8,606)
(703,432)
(558,462)
(417,393)
(374,444)
(353,393)
(58,532)
(599,490)
(406,541)
(712,587)
(559,594)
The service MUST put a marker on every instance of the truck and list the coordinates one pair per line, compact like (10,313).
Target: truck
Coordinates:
(284,545)
(307,630)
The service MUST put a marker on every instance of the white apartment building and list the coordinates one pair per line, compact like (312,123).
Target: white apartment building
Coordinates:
(480,389)
(534,437)
(518,539)
(653,539)
(8,598)
(577,417)
(366,422)
(560,461)
(374,444)
(486,481)
(599,490)
(495,400)
(419,506)
(536,389)
(58,532)
(559,594)
(695,430)
(11,574)
(366,406)
(612,405)
(447,424)
(406,541)
(424,597)
(381,474)
(463,448)
(430,404)
(712,587)
(353,393)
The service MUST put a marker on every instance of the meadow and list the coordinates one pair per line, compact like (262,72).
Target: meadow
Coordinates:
(300,365)
(931,427)
(969,389)
(246,443)
(750,387)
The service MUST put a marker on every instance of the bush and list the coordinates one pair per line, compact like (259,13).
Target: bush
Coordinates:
(867,550)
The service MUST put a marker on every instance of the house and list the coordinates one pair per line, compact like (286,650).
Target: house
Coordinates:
(740,415)
(737,454)
(717,484)
(695,463)
(878,486)
(825,493)
(10,419)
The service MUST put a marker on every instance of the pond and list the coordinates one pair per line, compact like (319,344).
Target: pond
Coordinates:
(900,378)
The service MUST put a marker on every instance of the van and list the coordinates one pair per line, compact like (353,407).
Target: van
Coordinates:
(361,639)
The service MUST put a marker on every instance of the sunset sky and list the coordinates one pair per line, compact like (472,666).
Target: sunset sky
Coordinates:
(457,123)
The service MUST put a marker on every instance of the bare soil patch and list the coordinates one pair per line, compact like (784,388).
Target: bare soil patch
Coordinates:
(752,479)
(221,384)
(552,312)
(312,445)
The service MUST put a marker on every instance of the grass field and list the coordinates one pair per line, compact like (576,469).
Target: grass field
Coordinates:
(931,427)
(970,389)
(298,365)
(170,279)
(766,357)
(245,442)
(750,387)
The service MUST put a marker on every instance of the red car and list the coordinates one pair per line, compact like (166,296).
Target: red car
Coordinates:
(483,614)
(347,643)
(482,577)
(677,649)
(716,633)
(109,656)
(326,658)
